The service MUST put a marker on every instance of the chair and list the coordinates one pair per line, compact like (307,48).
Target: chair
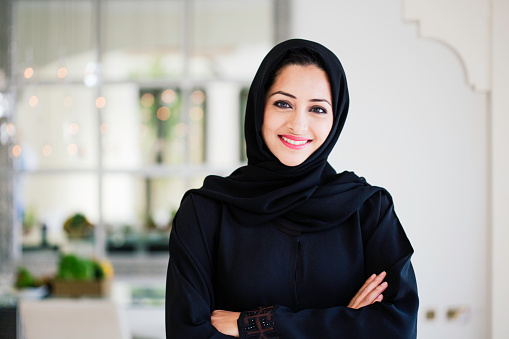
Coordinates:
(72,318)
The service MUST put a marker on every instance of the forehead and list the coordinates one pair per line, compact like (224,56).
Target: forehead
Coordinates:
(309,79)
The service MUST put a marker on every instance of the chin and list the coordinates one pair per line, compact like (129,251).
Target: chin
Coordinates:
(292,162)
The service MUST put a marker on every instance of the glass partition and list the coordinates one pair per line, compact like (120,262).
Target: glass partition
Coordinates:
(111,113)
(56,127)
(59,211)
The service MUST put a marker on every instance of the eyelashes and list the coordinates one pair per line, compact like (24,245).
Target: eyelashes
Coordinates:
(318,109)
(282,104)
(285,104)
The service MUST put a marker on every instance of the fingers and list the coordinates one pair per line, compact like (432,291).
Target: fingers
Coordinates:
(366,284)
(370,292)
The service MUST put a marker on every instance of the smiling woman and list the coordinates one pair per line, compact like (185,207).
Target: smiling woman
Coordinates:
(285,247)
(298,114)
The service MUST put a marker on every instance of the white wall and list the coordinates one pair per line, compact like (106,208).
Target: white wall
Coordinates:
(500,169)
(418,129)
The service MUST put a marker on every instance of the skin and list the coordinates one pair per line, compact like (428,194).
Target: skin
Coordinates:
(298,107)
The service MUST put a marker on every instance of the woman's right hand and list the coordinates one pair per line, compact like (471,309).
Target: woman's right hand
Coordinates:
(370,292)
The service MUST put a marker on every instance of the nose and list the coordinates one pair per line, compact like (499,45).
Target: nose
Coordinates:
(298,122)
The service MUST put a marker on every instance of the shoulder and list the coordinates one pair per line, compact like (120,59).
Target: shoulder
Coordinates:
(195,224)
(379,193)
(193,203)
(377,205)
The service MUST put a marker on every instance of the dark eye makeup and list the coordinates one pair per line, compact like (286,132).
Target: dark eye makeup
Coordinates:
(286,104)
(282,104)
(318,109)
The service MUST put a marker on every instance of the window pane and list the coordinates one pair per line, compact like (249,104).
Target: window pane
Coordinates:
(145,127)
(121,128)
(56,127)
(164,132)
(138,210)
(197,114)
(58,211)
(55,39)
(142,39)
(230,37)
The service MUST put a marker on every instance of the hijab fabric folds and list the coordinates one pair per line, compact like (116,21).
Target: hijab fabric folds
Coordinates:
(306,198)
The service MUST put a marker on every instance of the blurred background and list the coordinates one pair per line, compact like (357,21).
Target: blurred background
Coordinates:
(110,110)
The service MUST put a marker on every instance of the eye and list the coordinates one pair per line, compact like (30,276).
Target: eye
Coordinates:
(282,104)
(318,109)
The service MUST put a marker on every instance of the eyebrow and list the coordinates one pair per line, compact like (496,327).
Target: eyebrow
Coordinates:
(294,97)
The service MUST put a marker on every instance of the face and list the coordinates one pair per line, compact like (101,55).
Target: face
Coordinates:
(298,113)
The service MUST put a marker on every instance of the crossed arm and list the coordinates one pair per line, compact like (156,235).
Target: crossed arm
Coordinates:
(189,297)
(371,292)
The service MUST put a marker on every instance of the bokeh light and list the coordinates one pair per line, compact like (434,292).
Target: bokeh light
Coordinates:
(163,113)
(16,151)
(147,100)
(62,72)
(33,101)
(168,96)
(10,129)
(100,102)
(72,149)
(105,127)
(29,72)
(74,128)
(198,97)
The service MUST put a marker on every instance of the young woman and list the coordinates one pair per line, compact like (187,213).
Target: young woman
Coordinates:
(285,247)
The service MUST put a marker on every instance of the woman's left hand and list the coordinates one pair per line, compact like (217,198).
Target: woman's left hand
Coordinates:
(225,322)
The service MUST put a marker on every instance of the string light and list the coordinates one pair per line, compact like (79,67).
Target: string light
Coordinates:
(163,113)
(100,102)
(74,128)
(10,129)
(33,101)
(62,72)
(72,149)
(168,96)
(105,128)
(147,100)
(198,97)
(29,72)
(16,151)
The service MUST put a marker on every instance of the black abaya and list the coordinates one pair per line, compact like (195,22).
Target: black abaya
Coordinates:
(289,246)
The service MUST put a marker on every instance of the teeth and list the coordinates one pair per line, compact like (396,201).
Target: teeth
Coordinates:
(294,142)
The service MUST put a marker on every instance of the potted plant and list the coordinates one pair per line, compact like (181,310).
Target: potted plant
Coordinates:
(77,277)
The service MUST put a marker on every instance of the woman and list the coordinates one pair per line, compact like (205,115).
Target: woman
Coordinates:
(284,247)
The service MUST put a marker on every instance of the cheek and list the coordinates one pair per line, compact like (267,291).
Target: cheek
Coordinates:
(323,128)
(270,123)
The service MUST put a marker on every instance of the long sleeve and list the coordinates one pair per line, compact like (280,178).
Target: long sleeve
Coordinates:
(189,287)
(386,247)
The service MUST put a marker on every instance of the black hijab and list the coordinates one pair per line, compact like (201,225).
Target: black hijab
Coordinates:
(305,198)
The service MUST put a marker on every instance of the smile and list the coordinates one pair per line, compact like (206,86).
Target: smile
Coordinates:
(294,143)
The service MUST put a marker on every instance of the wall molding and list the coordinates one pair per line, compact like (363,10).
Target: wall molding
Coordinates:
(464,28)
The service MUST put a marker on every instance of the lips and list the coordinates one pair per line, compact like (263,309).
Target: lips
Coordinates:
(294,142)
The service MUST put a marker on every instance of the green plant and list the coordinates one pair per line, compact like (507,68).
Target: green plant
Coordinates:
(24,278)
(72,267)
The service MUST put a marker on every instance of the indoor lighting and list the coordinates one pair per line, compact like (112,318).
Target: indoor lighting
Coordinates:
(163,113)
(100,102)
